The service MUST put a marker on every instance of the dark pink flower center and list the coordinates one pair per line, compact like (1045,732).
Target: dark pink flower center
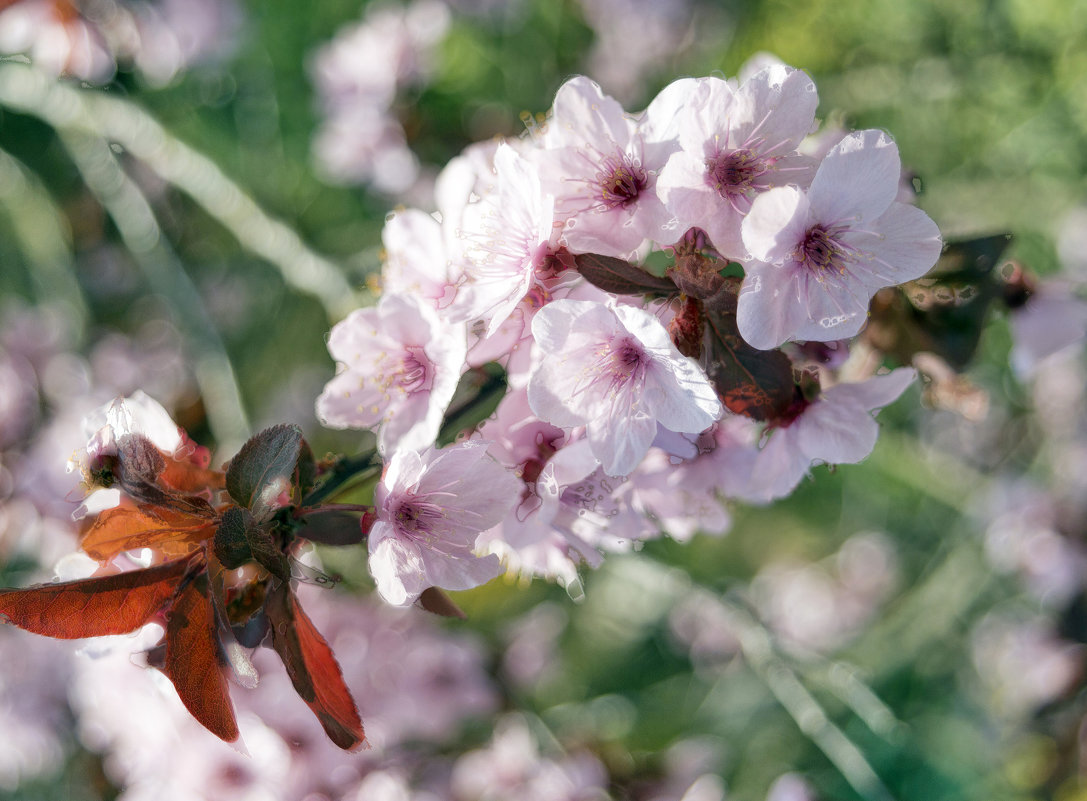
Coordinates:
(621,180)
(628,359)
(414,373)
(735,172)
(820,249)
(418,518)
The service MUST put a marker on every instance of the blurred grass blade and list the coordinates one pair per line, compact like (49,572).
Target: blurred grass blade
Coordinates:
(65,107)
(42,235)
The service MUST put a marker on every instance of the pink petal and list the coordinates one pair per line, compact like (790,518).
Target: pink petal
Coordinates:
(776,225)
(857,180)
(769,311)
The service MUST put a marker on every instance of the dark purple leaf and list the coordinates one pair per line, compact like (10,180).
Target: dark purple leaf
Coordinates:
(621,277)
(751,382)
(264,469)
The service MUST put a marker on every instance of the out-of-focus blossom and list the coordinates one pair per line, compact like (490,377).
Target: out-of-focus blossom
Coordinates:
(813,608)
(87,38)
(511,766)
(358,76)
(790,787)
(1022,662)
(635,38)
(34,713)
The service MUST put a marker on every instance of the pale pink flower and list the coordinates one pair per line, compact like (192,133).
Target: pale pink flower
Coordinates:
(835,428)
(737,143)
(511,766)
(614,370)
(431,507)
(686,496)
(510,241)
(416,261)
(398,367)
(1023,663)
(601,166)
(1052,320)
(820,255)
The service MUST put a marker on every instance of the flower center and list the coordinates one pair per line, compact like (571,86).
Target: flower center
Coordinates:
(621,181)
(820,250)
(734,173)
(418,518)
(414,374)
(628,359)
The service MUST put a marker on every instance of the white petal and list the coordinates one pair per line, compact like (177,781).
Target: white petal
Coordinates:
(836,433)
(768,310)
(858,179)
(908,246)
(776,225)
(396,565)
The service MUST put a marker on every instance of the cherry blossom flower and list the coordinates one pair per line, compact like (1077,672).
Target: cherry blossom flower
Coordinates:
(688,496)
(399,366)
(510,240)
(430,509)
(416,262)
(615,370)
(820,255)
(601,165)
(736,144)
(836,428)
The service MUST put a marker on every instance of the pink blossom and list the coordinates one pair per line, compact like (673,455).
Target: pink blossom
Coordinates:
(398,367)
(431,507)
(615,370)
(820,255)
(511,766)
(735,145)
(510,239)
(836,428)
(601,165)
(416,262)
(57,42)
(688,496)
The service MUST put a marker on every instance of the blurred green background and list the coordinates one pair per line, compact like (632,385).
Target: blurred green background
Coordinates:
(988,104)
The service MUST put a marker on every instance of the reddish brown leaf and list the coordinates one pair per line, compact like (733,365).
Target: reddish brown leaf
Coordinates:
(755,383)
(313,669)
(125,527)
(187,477)
(193,661)
(93,607)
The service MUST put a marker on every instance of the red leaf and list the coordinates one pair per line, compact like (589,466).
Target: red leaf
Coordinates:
(193,662)
(124,528)
(313,669)
(93,607)
(187,477)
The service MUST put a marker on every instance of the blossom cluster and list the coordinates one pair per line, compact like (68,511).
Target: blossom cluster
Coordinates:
(638,399)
